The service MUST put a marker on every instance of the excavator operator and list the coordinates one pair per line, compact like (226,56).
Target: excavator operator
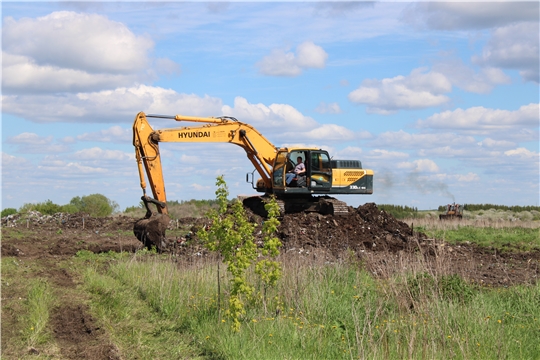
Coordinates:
(299,170)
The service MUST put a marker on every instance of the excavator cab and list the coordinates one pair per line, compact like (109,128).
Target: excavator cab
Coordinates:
(317,178)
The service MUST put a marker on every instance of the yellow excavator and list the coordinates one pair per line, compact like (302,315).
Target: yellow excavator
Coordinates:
(322,175)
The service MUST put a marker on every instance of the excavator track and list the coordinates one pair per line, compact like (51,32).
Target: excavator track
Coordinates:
(324,205)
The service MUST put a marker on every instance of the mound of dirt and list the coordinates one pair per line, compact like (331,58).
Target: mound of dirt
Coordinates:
(366,227)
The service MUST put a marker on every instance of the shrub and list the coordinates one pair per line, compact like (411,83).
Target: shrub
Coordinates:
(97,205)
(46,208)
(8,211)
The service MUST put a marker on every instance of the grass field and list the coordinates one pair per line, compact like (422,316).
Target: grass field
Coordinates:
(319,311)
(155,306)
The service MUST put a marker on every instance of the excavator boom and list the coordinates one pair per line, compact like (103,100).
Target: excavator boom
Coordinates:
(259,150)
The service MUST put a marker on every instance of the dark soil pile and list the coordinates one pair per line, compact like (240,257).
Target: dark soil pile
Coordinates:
(366,227)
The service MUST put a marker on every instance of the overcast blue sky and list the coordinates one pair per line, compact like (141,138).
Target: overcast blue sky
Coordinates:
(441,100)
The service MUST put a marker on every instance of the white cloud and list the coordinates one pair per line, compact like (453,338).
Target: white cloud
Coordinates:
(109,106)
(189,159)
(421,165)
(97,153)
(416,91)
(380,154)
(282,63)
(199,187)
(469,177)
(21,74)
(30,138)
(350,152)
(327,132)
(274,116)
(10,160)
(522,153)
(514,46)
(70,52)
(70,40)
(464,153)
(490,143)
(114,134)
(31,143)
(328,108)
(458,15)
(483,121)
(467,79)
(404,140)
(52,167)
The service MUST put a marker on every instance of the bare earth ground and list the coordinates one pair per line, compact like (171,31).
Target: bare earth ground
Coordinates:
(376,239)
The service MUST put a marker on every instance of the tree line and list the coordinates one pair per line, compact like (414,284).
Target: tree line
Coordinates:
(399,211)
(96,205)
(477,207)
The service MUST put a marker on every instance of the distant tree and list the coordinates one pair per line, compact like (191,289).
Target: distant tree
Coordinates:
(8,211)
(97,205)
(69,208)
(46,208)
(399,211)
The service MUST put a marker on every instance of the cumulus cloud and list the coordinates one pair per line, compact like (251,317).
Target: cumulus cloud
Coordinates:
(282,63)
(464,77)
(469,177)
(97,153)
(12,162)
(21,74)
(109,106)
(328,108)
(514,46)
(381,154)
(421,165)
(190,159)
(29,138)
(72,40)
(69,52)
(490,143)
(522,153)
(274,116)
(114,134)
(483,121)
(31,143)
(468,15)
(418,90)
(52,166)
(404,140)
(328,132)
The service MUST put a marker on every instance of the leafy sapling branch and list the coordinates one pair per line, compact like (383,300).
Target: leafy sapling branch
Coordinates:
(231,235)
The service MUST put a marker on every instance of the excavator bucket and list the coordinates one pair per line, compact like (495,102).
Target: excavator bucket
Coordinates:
(151,229)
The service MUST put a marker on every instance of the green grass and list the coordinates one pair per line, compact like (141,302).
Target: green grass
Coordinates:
(157,306)
(508,238)
(138,332)
(322,311)
(39,303)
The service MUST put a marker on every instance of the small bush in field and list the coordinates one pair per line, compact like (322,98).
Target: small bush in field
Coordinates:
(8,211)
(46,208)
(455,289)
(231,235)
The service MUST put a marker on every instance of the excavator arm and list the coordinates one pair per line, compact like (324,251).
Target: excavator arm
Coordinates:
(259,150)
